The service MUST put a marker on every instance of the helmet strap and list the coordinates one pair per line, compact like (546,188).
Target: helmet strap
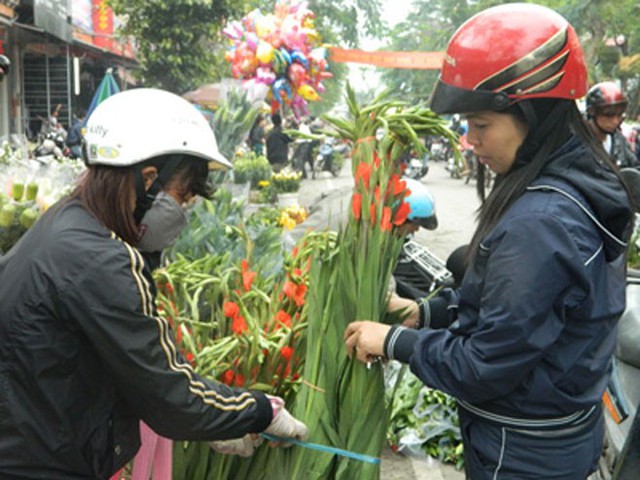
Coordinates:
(606,132)
(146,197)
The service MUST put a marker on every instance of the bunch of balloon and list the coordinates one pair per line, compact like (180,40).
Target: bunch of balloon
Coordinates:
(281,54)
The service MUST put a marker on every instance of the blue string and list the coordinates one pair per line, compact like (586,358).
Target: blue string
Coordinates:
(323,448)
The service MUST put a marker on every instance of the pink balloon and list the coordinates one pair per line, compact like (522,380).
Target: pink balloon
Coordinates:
(297,74)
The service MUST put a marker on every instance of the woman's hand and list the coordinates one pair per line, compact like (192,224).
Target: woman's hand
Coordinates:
(411,309)
(365,339)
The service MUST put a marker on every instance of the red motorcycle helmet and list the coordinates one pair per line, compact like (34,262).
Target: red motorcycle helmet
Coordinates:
(605,94)
(510,53)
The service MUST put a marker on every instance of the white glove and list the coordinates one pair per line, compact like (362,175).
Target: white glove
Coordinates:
(284,424)
(244,446)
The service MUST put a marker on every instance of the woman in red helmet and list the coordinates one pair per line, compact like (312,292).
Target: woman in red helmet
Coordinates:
(606,107)
(525,342)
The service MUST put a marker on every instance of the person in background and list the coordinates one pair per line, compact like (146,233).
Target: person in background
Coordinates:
(277,145)
(526,341)
(606,107)
(54,125)
(5,66)
(257,135)
(74,137)
(84,354)
(303,154)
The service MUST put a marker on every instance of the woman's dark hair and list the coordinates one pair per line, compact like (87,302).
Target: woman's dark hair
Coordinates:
(551,122)
(109,192)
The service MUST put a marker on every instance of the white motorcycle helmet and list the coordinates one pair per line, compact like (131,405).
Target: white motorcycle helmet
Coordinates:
(136,125)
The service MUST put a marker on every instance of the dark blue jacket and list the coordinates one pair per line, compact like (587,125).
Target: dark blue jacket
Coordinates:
(537,309)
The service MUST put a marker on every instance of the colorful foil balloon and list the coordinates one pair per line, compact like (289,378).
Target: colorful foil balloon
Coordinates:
(281,51)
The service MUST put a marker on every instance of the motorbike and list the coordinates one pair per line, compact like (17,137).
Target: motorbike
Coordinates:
(414,166)
(326,159)
(438,150)
(621,455)
(51,147)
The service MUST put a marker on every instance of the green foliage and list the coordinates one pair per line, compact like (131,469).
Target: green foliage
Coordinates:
(251,168)
(421,418)
(232,120)
(218,227)
(173,38)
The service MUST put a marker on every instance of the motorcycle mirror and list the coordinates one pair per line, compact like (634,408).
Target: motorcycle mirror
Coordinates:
(631,178)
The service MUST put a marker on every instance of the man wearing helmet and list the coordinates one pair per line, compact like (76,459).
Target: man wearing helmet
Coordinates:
(606,106)
(528,336)
(84,354)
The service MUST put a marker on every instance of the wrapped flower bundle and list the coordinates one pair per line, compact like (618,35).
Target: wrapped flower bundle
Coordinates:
(342,401)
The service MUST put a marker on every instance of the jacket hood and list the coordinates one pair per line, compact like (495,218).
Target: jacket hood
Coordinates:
(603,190)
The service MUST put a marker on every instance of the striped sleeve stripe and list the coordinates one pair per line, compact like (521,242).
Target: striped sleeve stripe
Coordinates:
(210,397)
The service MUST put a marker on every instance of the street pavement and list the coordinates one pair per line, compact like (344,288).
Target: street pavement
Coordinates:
(456,205)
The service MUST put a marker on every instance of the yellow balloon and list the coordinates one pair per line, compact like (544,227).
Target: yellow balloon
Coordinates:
(264,52)
(308,93)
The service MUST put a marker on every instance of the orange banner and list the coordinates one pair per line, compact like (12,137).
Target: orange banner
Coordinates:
(409,60)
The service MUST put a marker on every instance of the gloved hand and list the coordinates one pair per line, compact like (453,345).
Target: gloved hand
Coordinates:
(284,424)
(244,446)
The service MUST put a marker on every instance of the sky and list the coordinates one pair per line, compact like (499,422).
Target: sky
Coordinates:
(394,11)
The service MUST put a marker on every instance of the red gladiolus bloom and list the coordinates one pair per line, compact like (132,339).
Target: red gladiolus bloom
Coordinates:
(286,352)
(376,159)
(247,276)
(283,318)
(376,194)
(239,325)
(401,215)
(356,205)
(297,272)
(178,334)
(397,185)
(295,292)
(294,252)
(227,377)
(190,358)
(372,212)
(363,172)
(230,309)
(238,381)
(385,222)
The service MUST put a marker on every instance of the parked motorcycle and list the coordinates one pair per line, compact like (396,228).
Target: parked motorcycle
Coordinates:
(326,159)
(51,147)
(415,166)
(621,456)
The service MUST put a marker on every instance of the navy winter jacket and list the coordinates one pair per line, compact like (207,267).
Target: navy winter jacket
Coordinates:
(537,309)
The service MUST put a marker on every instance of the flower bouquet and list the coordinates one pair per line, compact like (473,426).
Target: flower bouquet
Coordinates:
(343,401)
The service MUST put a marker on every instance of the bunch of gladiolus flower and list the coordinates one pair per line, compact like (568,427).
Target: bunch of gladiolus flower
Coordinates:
(241,327)
(343,401)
